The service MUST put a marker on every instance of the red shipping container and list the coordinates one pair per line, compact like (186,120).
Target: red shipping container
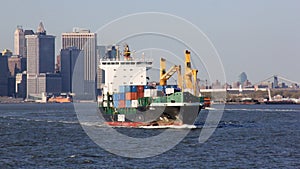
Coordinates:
(121,103)
(134,96)
(140,95)
(140,89)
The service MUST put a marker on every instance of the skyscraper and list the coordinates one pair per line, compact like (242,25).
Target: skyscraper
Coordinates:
(40,52)
(4,74)
(85,41)
(40,58)
(242,77)
(20,41)
(69,57)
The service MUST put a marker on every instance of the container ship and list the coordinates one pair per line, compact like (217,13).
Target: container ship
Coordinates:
(129,100)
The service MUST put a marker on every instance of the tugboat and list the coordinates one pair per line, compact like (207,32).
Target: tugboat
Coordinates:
(129,100)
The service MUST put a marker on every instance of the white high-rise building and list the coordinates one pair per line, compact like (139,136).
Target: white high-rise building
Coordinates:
(19,42)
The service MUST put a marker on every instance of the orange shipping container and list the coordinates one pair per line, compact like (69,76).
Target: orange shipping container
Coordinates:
(131,96)
(121,103)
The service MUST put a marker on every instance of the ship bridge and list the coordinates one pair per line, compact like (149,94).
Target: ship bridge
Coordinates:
(124,72)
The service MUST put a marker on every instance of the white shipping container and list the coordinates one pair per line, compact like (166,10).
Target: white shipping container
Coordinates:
(134,103)
(147,93)
(105,97)
(104,104)
(153,92)
(121,117)
(169,90)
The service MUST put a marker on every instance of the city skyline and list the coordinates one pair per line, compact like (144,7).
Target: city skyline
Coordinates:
(259,38)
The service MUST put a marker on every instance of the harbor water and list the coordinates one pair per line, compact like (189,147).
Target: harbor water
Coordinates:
(248,136)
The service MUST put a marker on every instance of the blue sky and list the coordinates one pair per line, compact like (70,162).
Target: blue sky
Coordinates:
(261,38)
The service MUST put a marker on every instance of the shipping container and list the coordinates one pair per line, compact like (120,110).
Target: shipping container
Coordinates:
(121,103)
(160,88)
(128,103)
(153,92)
(140,89)
(140,94)
(116,96)
(121,89)
(131,96)
(127,89)
(133,88)
(116,103)
(121,96)
(134,103)
(104,104)
(147,93)
(169,90)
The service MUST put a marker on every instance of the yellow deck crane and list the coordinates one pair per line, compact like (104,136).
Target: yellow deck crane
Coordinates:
(190,75)
(190,83)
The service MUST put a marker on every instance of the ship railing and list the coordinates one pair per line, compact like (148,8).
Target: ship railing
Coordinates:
(139,61)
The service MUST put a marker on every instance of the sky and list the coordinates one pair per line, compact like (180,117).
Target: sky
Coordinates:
(261,38)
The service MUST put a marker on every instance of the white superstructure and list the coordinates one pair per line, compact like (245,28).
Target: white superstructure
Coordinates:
(126,72)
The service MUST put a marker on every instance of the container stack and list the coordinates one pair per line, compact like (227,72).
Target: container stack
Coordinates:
(150,91)
(128,96)
(119,98)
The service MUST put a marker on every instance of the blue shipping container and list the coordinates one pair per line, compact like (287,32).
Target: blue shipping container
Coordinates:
(127,89)
(116,96)
(121,96)
(116,103)
(133,88)
(128,103)
(121,89)
(160,88)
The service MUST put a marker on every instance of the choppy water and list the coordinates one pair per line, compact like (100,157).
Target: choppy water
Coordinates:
(248,136)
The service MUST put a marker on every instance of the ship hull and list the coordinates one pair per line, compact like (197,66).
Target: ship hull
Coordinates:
(156,115)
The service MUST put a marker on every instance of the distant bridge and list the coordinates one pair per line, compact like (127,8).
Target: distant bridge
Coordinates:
(276,79)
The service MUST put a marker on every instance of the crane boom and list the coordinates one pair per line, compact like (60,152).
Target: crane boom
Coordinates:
(189,78)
